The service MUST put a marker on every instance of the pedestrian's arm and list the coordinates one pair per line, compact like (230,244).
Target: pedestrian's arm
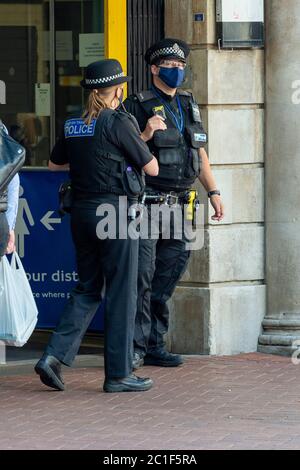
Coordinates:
(208,181)
(12,201)
(12,210)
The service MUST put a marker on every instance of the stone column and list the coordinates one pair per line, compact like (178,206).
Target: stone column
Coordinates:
(281,326)
(220,303)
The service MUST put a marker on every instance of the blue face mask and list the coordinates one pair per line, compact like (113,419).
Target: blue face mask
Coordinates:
(172,77)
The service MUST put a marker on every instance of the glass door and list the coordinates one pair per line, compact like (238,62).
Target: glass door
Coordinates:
(44,47)
(79,31)
(25,70)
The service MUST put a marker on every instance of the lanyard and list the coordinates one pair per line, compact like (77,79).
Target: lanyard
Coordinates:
(179,120)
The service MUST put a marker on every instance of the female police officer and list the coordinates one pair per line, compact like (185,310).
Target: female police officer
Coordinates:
(102,148)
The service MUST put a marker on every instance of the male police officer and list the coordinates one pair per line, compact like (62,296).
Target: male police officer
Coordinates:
(171,125)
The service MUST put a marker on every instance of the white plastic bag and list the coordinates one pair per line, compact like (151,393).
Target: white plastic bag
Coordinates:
(18,311)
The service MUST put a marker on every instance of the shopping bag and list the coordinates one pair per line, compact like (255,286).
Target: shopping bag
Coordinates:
(18,311)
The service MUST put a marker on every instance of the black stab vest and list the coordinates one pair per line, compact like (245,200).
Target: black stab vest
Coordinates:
(96,165)
(177,153)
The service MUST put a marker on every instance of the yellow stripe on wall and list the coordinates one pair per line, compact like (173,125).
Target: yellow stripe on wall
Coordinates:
(115,30)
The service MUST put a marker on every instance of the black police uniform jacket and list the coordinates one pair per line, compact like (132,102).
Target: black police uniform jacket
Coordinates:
(105,156)
(177,152)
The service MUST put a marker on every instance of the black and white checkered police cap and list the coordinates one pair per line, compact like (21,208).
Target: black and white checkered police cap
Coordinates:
(167,48)
(104,73)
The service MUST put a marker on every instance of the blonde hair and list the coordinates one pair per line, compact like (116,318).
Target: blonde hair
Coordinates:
(97,102)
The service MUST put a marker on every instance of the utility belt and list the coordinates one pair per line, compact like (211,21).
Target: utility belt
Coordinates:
(186,198)
(131,184)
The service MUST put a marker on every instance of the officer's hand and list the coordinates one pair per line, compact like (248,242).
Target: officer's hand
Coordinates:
(154,124)
(218,207)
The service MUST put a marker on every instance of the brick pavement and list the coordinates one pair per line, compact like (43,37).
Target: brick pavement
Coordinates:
(249,401)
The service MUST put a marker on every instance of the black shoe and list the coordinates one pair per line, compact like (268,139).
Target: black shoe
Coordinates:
(132,383)
(138,360)
(49,370)
(161,357)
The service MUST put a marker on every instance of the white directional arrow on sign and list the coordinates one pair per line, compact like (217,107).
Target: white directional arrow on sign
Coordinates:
(46,220)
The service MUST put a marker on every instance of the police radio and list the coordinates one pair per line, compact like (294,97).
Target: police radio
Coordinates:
(195,111)
(160,111)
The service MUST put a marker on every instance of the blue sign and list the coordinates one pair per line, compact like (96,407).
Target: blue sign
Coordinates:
(78,128)
(199,17)
(45,246)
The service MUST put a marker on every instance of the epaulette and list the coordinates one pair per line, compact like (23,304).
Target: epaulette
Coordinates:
(145,96)
(126,115)
(184,93)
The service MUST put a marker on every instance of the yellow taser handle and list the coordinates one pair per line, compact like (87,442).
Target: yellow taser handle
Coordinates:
(190,207)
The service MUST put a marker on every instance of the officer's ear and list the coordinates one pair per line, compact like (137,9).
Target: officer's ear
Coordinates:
(119,92)
(154,70)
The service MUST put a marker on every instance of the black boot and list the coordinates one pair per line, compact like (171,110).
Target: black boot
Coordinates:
(49,370)
(162,358)
(138,360)
(132,383)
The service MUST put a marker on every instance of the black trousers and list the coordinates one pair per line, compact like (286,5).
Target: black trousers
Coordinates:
(111,263)
(4,233)
(162,262)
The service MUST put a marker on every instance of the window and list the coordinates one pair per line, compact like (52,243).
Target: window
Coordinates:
(44,47)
